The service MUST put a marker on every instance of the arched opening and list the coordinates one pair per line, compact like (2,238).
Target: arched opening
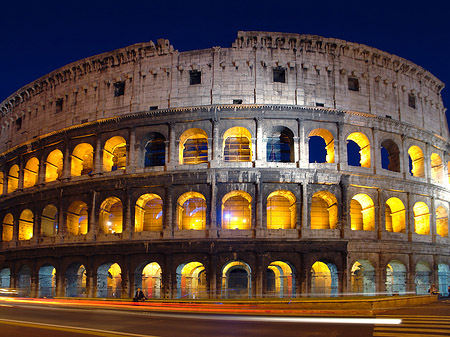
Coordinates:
(280,146)
(362,152)
(115,154)
(47,281)
(436,168)
(77,218)
(49,221)
(236,280)
(26,221)
(7,227)
(148,278)
(31,173)
(111,217)
(422,278)
(395,278)
(441,222)
(281,210)
(444,279)
(155,150)
(191,208)
(417,167)
(321,146)
(191,280)
(13,178)
(148,213)
(363,278)
(1,183)
(236,210)
(194,147)
(324,279)
(393,155)
(54,166)
(362,213)
(82,160)
(324,211)
(395,215)
(76,280)
(421,218)
(109,280)
(237,145)
(280,280)
(5,278)
(24,281)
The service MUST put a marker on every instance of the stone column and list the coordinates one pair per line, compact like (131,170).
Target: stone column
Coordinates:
(34,286)
(125,285)
(131,150)
(168,219)
(213,214)
(216,143)
(66,163)
(92,225)
(305,223)
(259,223)
(98,167)
(42,167)
(167,278)
(427,162)
(60,283)
(213,276)
(127,223)
(303,145)
(344,210)
(258,292)
(433,219)
(21,168)
(259,153)
(409,216)
(91,284)
(62,225)
(375,152)
(411,275)
(173,160)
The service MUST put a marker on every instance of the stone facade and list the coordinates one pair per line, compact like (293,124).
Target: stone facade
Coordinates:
(88,149)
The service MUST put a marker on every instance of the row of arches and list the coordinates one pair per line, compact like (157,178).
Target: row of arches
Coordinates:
(236,280)
(236,214)
(236,147)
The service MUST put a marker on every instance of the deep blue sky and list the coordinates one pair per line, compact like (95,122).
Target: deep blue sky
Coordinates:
(40,36)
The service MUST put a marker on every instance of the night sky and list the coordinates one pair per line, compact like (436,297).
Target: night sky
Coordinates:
(38,37)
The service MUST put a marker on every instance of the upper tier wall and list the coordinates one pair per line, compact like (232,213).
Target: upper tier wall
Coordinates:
(153,76)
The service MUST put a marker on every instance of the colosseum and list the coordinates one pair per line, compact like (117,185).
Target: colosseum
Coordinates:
(284,166)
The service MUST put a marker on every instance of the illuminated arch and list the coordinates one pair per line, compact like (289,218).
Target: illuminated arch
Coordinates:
(395,215)
(31,173)
(236,210)
(395,278)
(280,146)
(191,209)
(155,150)
(280,280)
(363,278)
(13,178)
(24,281)
(7,227)
(148,213)
(236,280)
(436,168)
(77,218)
(393,155)
(237,145)
(109,280)
(441,221)
(422,278)
(362,213)
(1,183)
(26,221)
(49,221)
(148,278)
(421,218)
(364,147)
(5,278)
(82,160)
(324,279)
(111,217)
(417,161)
(193,147)
(54,166)
(76,280)
(281,210)
(328,138)
(444,279)
(324,211)
(191,280)
(47,281)
(115,154)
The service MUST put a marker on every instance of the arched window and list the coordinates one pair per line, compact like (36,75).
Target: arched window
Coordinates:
(237,145)
(191,208)
(82,159)
(31,173)
(395,278)
(155,150)
(49,221)
(321,146)
(324,279)
(324,211)
(362,278)
(111,216)
(26,221)
(13,178)
(7,227)
(363,144)
(115,154)
(281,210)
(362,213)
(149,213)
(421,218)
(391,161)
(395,215)
(417,168)
(236,280)
(194,147)
(77,218)
(280,146)
(191,280)
(236,210)
(54,166)
(436,168)
(441,222)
